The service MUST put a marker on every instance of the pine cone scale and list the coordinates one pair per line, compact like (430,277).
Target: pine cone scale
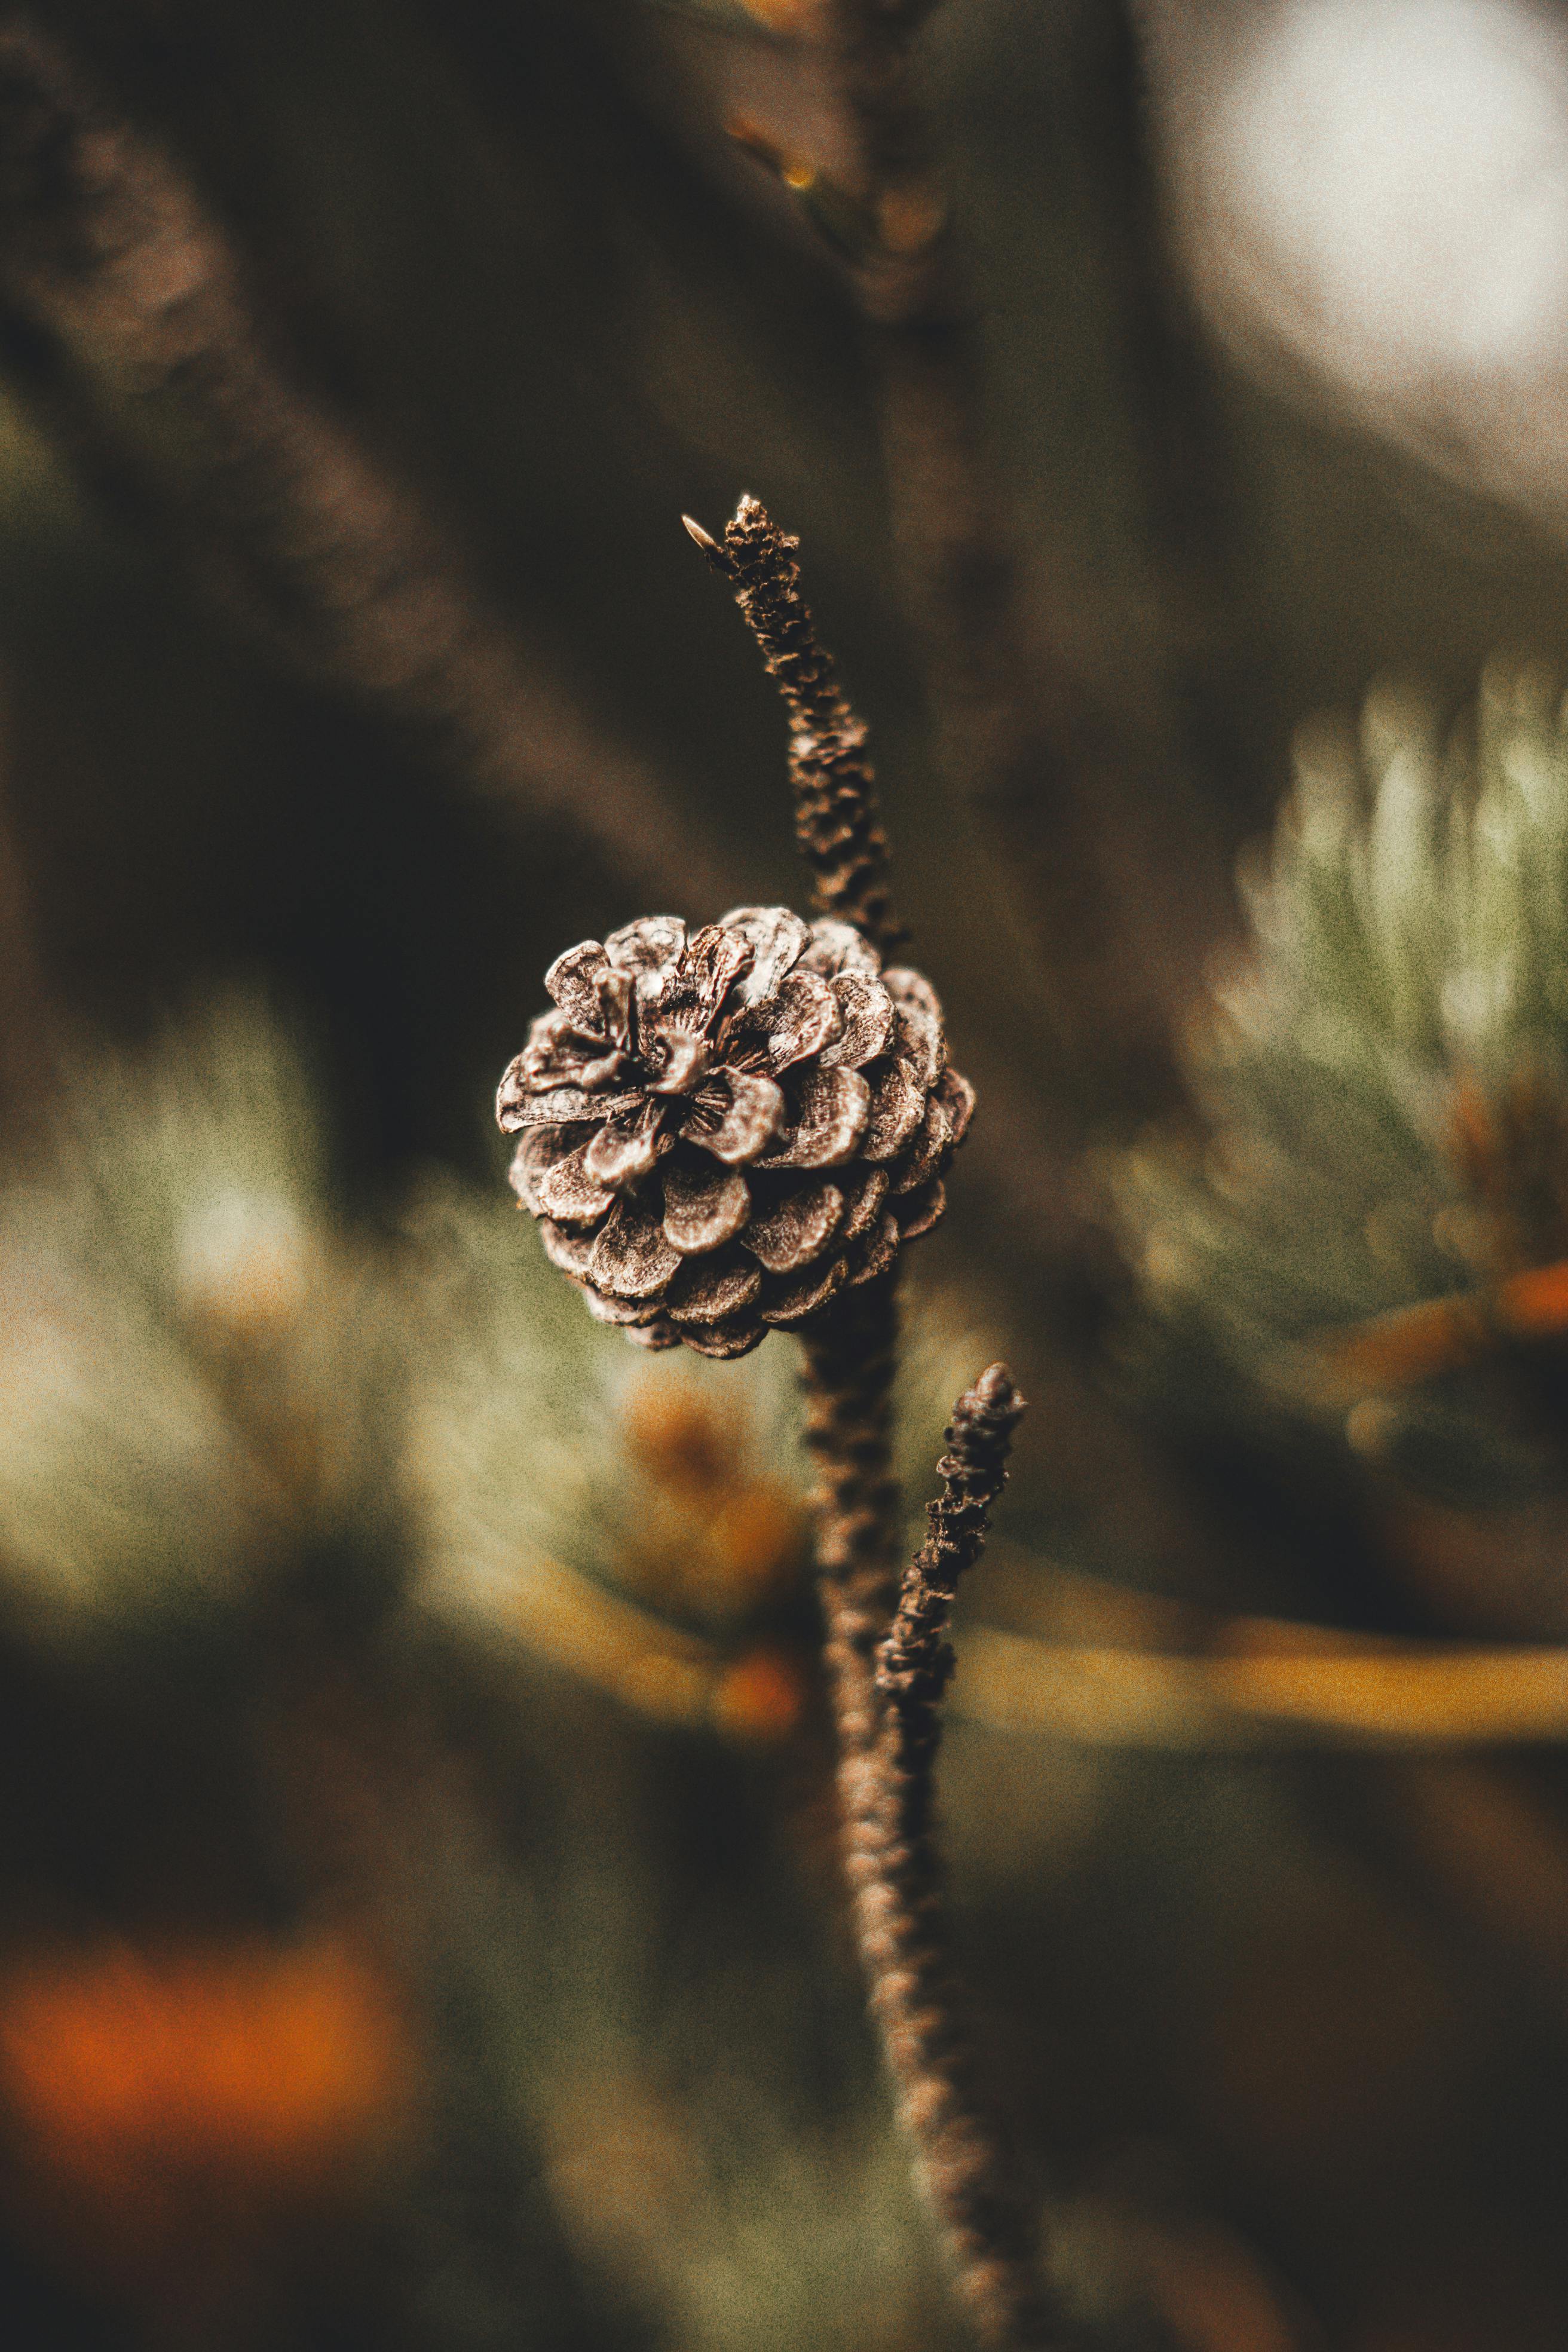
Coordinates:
(570,1194)
(897,1107)
(710,1290)
(883,1248)
(703,1211)
(837,947)
(956,1097)
(625,1150)
(735,1114)
(927,1150)
(518,1106)
(778,938)
(831,1108)
(798,1230)
(796,1024)
(725,1340)
(571,1252)
(595,997)
(804,1294)
(926,1208)
(865,1016)
(631,1257)
(864,1203)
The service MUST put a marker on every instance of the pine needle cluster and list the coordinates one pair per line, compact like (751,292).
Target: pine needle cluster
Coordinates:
(1372,1236)
(221,1388)
(195,1352)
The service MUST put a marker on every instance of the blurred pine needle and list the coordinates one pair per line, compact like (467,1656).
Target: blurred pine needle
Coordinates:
(207,1369)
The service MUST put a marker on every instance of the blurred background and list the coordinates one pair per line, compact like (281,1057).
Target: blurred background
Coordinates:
(418,1918)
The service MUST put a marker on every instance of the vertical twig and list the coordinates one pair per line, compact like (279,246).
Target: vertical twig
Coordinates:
(106,248)
(850,1354)
(886,1672)
(838,827)
(896,1880)
(850,1351)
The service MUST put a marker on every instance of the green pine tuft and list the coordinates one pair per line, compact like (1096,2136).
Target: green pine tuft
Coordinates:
(1362,1239)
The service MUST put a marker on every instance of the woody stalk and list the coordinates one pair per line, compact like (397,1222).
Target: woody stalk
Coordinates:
(735,1129)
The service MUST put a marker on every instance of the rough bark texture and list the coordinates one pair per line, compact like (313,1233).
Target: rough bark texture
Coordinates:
(850,1357)
(886,1673)
(837,824)
(896,1884)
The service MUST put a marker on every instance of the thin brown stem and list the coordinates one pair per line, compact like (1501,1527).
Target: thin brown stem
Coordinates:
(896,1882)
(837,824)
(851,1355)
(915,1661)
(885,1713)
(107,249)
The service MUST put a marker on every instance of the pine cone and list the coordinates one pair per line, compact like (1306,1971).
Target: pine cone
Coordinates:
(720,1133)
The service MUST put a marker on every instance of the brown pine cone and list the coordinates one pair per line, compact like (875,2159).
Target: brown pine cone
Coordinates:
(720,1133)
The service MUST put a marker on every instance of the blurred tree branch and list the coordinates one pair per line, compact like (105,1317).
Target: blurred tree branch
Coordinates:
(1075,801)
(107,249)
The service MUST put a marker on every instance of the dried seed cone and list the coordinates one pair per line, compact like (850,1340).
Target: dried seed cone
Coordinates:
(720,1132)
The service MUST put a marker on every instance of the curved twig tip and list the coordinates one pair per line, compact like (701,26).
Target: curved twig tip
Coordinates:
(837,826)
(997,1391)
(708,543)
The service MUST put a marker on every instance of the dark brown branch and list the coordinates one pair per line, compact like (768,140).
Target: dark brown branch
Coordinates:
(837,826)
(1076,801)
(106,248)
(895,1880)
(915,1661)
(851,1355)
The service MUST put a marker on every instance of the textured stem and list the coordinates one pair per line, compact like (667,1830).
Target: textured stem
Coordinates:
(915,1660)
(850,1354)
(107,249)
(837,824)
(896,1882)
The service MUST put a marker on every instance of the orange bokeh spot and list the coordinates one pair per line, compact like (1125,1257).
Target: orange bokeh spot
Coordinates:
(1412,1344)
(1535,1303)
(711,1536)
(762,1697)
(153,2096)
(679,1439)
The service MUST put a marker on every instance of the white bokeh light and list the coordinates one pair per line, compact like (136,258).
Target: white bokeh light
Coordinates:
(1372,195)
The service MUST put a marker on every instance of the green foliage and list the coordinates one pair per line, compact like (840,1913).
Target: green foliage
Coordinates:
(230,1413)
(217,1391)
(192,1354)
(553,1470)
(1382,1086)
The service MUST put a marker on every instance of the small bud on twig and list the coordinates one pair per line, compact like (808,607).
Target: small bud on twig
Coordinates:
(709,544)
